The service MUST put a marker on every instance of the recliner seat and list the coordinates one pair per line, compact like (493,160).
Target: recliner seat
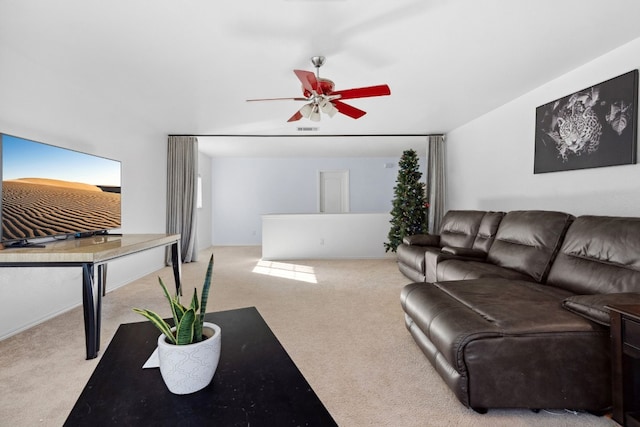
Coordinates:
(460,229)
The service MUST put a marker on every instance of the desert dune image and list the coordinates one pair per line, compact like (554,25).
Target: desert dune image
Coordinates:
(37,207)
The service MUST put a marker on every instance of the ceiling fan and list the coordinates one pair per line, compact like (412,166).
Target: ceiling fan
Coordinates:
(320,96)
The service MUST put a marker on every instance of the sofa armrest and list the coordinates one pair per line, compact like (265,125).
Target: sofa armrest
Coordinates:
(465,252)
(594,307)
(422,240)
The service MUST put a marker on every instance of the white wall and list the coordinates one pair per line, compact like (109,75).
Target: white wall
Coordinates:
(244,189)
(205,222)
(490,160)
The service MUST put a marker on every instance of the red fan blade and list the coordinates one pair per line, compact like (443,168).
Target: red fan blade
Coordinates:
(363,92)
(309,81)
(297,116)
(348,110)
(277,99)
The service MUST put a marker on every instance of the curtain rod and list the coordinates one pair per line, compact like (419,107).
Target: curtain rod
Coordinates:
(312,135)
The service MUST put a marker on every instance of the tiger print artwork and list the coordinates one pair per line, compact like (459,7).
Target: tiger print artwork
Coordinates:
(578,128)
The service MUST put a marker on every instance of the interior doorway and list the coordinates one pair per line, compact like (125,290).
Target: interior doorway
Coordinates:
(333,191)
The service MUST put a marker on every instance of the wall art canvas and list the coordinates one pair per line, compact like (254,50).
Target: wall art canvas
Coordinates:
(590,128)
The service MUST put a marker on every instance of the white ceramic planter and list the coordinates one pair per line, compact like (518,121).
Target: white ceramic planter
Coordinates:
(188,368)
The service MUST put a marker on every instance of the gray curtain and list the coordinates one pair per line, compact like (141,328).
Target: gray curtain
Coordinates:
(182,176)
(436,182)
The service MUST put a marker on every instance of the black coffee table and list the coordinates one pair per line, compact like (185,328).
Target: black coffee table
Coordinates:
(256,383)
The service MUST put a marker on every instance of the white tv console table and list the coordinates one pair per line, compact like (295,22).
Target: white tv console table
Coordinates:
(89,253)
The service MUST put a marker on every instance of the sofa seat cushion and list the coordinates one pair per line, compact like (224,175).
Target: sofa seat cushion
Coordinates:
(464,269)
(452,314)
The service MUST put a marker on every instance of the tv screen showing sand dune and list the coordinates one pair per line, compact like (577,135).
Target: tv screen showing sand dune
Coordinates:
(31,209)
(50,191)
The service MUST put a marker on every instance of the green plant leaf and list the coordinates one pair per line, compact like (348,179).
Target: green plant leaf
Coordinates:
(197,326)
(158,322)
(204,298)
(194,301)
(184,330)
(171,301)
(178,309)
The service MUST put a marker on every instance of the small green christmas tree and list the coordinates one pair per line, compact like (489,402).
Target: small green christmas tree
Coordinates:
(409,213)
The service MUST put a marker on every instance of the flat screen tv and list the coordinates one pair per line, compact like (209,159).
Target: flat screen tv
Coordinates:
(54,192)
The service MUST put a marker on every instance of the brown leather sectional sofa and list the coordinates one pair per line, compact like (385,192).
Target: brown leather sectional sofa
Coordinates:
(510,308)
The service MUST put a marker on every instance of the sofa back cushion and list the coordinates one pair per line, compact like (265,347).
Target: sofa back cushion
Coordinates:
(459,228)
(527,241)
(599,255)
(487,231)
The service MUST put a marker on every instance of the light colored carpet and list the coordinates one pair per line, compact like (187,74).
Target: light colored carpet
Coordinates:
(345,332)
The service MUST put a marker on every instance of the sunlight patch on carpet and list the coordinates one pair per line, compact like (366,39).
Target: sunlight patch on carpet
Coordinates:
(302,273)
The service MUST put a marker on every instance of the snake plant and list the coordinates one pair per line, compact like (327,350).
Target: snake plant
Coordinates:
(188,320)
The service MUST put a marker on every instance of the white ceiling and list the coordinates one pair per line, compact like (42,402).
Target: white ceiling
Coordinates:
(187,67)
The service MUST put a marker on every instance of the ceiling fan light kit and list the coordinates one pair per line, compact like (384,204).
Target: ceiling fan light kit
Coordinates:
(306,110)
(320,95)
(315,114)
(328,108)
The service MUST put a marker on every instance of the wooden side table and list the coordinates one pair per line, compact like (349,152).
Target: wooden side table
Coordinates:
(625,360)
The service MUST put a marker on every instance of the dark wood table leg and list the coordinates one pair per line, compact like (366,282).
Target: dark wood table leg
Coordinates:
(616,366)
(102,284)
(176,261)
(90,311)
